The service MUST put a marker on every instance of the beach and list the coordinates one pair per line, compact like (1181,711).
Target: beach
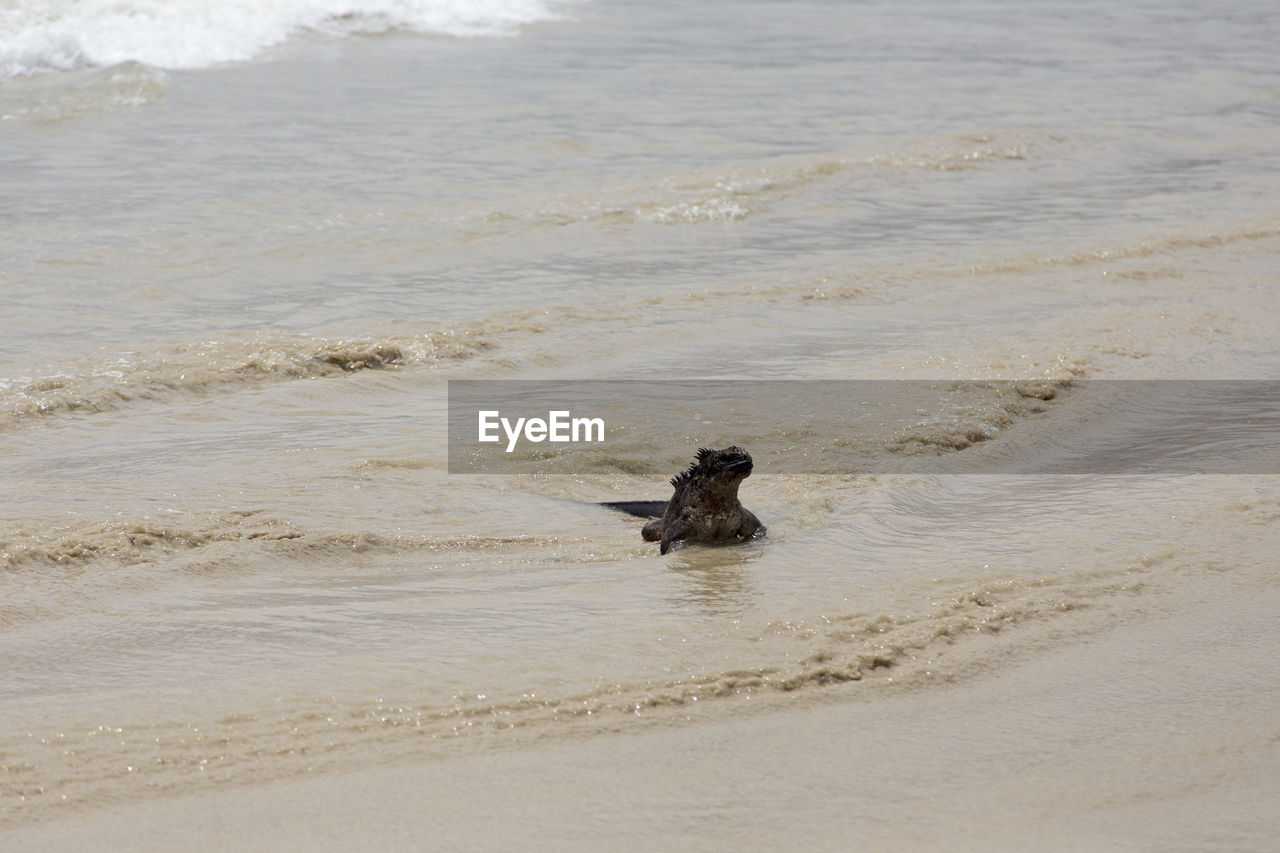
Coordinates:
(989,293)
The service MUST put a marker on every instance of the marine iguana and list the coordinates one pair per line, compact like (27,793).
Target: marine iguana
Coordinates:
(704,506)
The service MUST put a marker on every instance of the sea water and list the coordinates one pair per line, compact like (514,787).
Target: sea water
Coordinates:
(242,254)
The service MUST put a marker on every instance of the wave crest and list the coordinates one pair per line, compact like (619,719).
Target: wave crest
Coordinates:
(63,35)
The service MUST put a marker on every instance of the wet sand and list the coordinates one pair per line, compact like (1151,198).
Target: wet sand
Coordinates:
(1142,737)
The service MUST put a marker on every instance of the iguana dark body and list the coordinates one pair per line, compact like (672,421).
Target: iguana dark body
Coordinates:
(704,507)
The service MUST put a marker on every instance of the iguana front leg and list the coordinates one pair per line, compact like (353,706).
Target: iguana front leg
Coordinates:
(678,529)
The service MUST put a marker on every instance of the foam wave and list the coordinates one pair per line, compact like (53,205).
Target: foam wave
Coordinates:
(1155,247)
(51,99)
(736,193)
(996,406)
(117,379)
(60,35)
(963,152)
(141,540)
(149,540)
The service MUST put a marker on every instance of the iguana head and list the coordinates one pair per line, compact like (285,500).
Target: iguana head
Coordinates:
(716,468)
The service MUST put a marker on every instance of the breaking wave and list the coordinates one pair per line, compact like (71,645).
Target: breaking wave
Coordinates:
(61,35)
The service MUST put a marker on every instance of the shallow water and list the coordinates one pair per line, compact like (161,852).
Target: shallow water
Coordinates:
(234,295)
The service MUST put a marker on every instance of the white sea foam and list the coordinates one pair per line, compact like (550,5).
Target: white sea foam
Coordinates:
(46,35)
